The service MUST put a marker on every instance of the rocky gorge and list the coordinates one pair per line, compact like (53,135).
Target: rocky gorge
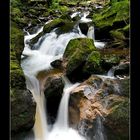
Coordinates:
(96,55)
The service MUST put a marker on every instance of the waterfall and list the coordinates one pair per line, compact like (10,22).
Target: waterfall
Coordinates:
(40,127)
(61,130)
(90,33)
(50,49)
(62,118)
(111,72)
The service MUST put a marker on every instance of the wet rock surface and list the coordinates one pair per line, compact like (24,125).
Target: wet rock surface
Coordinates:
(100,101)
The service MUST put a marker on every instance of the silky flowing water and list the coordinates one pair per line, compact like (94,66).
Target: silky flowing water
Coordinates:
(39,59)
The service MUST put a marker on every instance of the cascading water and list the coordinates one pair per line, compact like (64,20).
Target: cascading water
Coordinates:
(111,72)
(52,48)
(62,118)
(40,127)
(61,130)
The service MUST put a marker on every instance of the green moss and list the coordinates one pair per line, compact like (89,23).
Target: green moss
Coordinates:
(118,11)
(17,78)
(68,2)
(94,57)
(17,44)
(77,52)
(93,63)
(16,12)
(46,14)
(116,34)
(120,112)
(17,40)
(84,44)
(75,60)
(126,28)
(63,9)
(35,39)
(66,28)
(117,121)
(50,26)
(111,58)
(18,16)
(32,11)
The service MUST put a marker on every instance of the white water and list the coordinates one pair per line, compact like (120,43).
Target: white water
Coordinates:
(52,48)
(84,17)
(61,130)
(40,127)
(62,118)
(111,72)
(91,35)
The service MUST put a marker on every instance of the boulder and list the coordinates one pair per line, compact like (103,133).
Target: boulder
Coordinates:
(117,121)
(100,109)
(53,86)
(66,28)
(76,53)
(57,64)
(23,106)
(53,90)
(53,24)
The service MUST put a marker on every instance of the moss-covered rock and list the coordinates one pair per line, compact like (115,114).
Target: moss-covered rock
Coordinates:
(90,100)
(17,40)
(117,121)
(118,11)
(93,63)
(23,106)
(110,18)
(117,35)
(109,60)
(63,26)
(16,76)
(35,39)
(53,90)
(23,110)
(54,24)
(77,52)
(120,37)
(18,16)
